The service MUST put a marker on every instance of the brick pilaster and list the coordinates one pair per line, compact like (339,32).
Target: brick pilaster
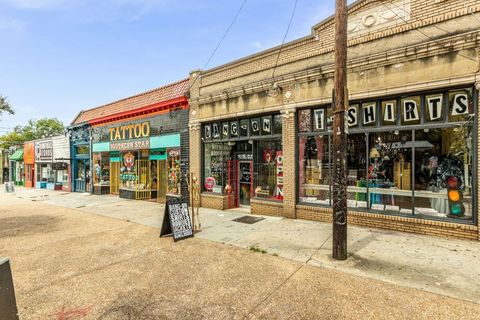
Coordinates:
(289,171)
(194,126)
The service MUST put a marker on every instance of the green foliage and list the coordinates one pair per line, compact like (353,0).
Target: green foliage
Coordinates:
(257,249)
(35,129)
(5,106)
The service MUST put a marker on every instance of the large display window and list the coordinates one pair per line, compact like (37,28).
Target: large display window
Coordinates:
(101,172)
(243,158)
(217,157)
(45,173)
(412,155)
(268,169)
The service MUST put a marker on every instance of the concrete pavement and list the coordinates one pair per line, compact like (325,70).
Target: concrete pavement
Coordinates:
(443,266)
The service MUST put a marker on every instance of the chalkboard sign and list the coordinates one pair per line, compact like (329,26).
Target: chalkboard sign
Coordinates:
(176,219)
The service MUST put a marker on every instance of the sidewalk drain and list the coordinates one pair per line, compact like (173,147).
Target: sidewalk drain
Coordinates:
(248,219)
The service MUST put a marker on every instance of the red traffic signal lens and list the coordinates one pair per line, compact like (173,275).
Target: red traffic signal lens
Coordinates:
(454,195)
(452,182)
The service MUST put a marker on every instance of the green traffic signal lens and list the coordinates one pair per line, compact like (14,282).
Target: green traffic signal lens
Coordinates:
(456,209)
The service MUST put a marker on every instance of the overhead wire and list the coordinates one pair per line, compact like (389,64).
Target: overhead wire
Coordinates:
(284,38)
(419,30)
(221,40)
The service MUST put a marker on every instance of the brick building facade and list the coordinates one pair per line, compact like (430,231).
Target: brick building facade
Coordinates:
(413,80)
(136,147)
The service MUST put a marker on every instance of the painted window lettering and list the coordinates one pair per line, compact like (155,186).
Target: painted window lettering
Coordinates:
(435,107)
(460,104)
(216,131)
(369,114)
(234,129)
(410,111)
(352,116)
(389,115)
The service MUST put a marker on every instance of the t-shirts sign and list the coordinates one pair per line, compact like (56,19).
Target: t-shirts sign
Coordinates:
(176,220)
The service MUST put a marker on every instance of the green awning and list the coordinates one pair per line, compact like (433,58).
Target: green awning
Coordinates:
(17,155)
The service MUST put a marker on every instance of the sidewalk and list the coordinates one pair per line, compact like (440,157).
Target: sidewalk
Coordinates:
(443,266)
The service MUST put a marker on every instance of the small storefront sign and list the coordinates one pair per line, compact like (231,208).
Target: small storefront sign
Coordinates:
(43,151)
(60,166)
(130,131)
(176,219)
(279,186)
(209,183)
(410,110)
(129,161)
(130,145)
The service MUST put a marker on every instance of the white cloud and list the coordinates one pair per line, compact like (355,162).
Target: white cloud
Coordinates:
(9,24)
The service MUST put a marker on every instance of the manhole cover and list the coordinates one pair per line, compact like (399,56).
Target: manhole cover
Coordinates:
(248,219)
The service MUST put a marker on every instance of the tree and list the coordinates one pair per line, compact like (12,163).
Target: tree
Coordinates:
(44,128)
(5,106)
(35,129)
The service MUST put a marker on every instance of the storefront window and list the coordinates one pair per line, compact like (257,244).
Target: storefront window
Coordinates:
(268,169)
(443,170)
(45,173)
(314,169)
(390,171)
(216,157)
(128,170)
(173,171)
(425,168)
(101,172)
(356,171)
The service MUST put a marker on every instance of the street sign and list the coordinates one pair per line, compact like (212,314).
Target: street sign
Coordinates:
(176,219)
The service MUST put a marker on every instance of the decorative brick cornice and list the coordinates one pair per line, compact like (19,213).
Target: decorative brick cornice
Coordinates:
(194,126)
(446,45)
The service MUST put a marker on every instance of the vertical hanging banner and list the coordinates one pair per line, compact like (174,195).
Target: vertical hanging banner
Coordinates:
(176,219)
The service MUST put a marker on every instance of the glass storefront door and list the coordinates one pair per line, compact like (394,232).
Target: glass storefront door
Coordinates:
(244,182)
(114,177)
(143,187)
(161,180)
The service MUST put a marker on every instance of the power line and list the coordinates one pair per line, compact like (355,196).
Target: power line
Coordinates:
(221,41)
(284,37)
(420,31)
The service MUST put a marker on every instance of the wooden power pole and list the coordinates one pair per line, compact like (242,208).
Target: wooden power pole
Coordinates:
(339,136)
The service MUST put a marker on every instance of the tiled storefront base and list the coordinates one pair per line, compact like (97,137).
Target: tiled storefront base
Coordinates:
(216,201)
(266,208)
(412,225)
(365,219)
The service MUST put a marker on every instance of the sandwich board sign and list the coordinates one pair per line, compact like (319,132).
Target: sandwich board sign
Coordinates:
(176,219)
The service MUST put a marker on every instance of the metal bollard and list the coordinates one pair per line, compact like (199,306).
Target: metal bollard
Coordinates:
(9,187)
(8,304)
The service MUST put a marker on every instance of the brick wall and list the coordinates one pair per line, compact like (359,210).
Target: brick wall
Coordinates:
(269,208)
(396,223)
(214,201)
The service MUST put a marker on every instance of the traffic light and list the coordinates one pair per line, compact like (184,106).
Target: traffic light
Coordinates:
(455,197)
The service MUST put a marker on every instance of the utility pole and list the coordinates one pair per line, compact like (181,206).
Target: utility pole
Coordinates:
(339,136)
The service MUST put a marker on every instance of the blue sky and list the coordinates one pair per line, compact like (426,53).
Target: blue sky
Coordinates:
(61,56)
